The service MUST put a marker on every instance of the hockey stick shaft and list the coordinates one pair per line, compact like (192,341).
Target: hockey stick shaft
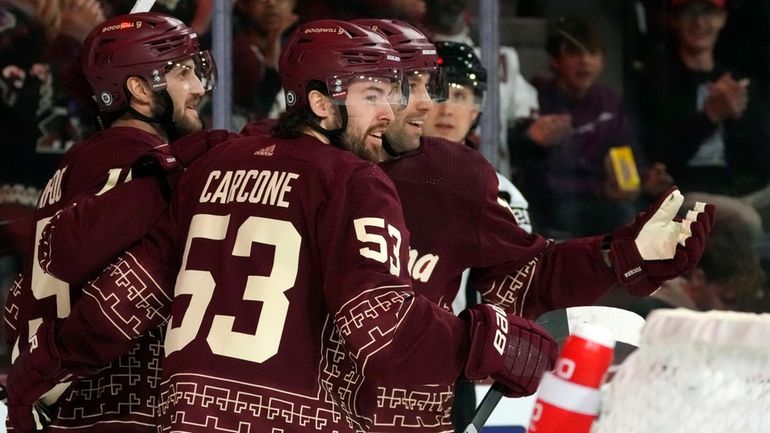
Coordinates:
(625,326)
(142,6)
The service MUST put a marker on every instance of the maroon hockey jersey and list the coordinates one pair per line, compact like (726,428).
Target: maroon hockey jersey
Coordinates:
(122,396)
(450,203)
(291,288)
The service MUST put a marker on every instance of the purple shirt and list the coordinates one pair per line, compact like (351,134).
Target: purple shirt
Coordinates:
(576,166)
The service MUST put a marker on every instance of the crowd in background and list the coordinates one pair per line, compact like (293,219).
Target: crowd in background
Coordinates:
(693,110)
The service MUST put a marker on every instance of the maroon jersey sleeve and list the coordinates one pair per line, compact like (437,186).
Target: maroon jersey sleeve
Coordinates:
(96,223)
(551,276)
(90,168)
(98,228)
(132,296)
(129,299)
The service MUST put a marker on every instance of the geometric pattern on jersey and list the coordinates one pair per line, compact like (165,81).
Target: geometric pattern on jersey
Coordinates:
(123,394)
(414,408)
(510,293)
(189,401)
(204,403)
(358,320)
(142,291)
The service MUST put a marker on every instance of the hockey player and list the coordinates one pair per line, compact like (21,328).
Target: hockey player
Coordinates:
(289,253)
(456,117)
(147,74)
(449,195)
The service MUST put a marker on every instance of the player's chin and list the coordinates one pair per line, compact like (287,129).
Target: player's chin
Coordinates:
(372,153)
(190,122)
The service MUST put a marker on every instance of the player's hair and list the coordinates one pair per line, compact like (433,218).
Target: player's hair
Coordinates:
(294,123)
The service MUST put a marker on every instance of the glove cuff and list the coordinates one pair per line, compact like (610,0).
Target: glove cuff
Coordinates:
(629,268)
(482,328)
(159,166)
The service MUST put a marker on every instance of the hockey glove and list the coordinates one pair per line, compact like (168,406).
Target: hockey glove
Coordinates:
(163,167)
(35,372)
(41,412)
(512,350)
(191,147)
(659,246)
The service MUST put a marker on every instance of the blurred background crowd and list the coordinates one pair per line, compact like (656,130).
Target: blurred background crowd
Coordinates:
(603,105)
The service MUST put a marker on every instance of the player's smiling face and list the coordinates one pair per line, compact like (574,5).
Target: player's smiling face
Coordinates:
(369,113)
(186,90)
(405,131)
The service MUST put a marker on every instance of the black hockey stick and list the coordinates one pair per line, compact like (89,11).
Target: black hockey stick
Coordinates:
(625,327)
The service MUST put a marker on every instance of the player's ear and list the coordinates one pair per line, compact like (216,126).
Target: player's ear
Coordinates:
(139,90)
(320,104)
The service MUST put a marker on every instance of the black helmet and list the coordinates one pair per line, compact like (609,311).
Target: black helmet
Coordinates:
(462,66)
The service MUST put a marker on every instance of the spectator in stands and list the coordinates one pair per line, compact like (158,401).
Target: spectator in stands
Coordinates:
(573,186)
(259,29)
(705,121)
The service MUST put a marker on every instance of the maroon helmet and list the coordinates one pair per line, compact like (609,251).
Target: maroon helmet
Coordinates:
(146,45)
(417,52)
(334,53)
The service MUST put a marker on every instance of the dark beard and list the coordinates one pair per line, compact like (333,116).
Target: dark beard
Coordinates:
(355,144)
(176,128)
(399,140)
